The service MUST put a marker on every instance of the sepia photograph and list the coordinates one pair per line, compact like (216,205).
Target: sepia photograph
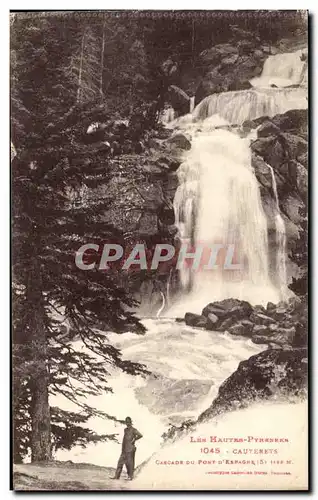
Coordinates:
(159,250)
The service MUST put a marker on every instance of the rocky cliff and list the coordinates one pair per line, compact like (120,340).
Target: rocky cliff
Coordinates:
(282,143)
(140,192)
(271,374)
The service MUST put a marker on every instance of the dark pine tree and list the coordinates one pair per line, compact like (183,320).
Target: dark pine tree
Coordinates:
(51,163)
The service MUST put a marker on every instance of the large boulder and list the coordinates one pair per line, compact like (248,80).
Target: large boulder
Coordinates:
(212,321)
(242,328)
(196,320)
(294,121)
(180,140)
(272,373)
(261,319)
(225,324)
(235,308)
(230,66)
(267,128)
(260,330)
(302,181)
(270,308)
(283,324)
(278,336)
(262,171)
(217,53)
(294,144)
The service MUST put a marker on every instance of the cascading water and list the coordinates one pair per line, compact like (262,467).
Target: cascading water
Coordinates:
(270,95)
(218,202)
(282,70)
(192,103)
(178,388)
(218,199)
(238,106)
(167,115)
(281,271)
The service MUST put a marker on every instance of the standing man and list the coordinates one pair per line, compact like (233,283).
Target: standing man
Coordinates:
(128,450)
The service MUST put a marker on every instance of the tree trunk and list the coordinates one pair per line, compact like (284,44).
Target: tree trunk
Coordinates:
(41,424)
(102,62)
(80,71)
(192,43)
(40,409)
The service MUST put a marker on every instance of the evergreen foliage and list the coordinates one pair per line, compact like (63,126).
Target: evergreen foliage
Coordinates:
(52,165)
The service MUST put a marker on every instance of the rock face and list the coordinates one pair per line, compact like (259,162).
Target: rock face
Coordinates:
(138,200)
(230,66)
(228,307)
(282,144)
(282,326)
(269,374)
(195,320)
(180,140)
(178,99)
(273,374)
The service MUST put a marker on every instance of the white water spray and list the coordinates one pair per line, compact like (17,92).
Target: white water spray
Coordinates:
(187,364)
(162,305)
(281,271)
(282,70)
(238,106)
(218,199)
(192,103)
(167,115)
(281,87)
(218,202)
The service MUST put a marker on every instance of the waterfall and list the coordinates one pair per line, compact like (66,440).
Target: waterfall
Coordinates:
(192,103)
(218,198)
(167,115)
(162,305)
(281,272)
(281,87)
(218,202)
(282,70)
(238,106)
(13,151)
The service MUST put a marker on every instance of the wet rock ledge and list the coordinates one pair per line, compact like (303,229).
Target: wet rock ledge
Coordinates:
(273,373)
(279,326)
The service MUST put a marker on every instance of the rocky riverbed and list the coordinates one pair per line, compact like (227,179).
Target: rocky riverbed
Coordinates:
(280,326)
